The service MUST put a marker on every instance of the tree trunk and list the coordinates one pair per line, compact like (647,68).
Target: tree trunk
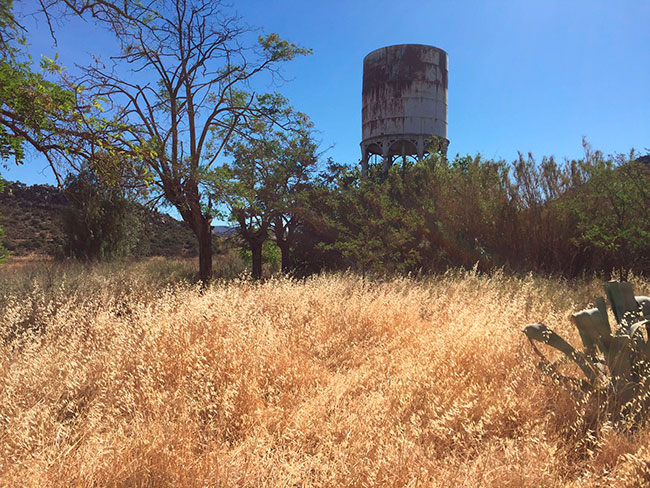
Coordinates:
(256,250)
(286,256)
(205,252)
(283,238)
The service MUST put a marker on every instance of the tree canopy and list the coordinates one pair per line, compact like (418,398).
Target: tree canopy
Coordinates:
(176,92)
(271,169)
(42,107)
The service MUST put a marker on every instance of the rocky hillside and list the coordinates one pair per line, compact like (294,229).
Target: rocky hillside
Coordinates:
(32,217)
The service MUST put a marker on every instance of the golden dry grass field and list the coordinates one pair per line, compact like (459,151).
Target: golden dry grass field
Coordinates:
(110,377)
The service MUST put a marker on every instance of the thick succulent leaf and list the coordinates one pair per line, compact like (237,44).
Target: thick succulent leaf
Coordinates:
(591,327)
(539,332)
(619,361)
(602,308)
(636,329)
(646,349)
(621,298)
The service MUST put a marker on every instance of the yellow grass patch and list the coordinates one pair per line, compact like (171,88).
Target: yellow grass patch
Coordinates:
(334,381)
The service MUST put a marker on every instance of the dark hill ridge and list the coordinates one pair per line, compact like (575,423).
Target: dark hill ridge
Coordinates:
(32,219)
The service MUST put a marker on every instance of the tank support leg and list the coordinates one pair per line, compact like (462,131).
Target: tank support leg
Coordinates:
(386,160)
(420,148)
(364,163)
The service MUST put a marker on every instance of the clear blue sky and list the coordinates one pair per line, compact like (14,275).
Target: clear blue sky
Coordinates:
(523,75)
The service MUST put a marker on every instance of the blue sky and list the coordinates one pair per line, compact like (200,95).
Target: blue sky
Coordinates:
(523,75)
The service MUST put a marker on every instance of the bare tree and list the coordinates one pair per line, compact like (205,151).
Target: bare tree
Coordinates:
(177,91)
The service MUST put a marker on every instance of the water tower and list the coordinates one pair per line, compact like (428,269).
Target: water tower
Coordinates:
(404,110)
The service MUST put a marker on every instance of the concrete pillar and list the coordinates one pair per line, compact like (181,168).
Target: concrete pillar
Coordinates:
(420,147)
(364,162)
(385,157)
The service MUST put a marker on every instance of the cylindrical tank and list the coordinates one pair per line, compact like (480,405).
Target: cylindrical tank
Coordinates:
(404,101)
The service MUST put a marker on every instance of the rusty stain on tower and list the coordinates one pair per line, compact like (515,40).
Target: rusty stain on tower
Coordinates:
(404,103)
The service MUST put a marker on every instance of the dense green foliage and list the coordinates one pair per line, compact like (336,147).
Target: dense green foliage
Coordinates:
(613,213)
(566,218)
(100,223)
(264,185)
(270,256)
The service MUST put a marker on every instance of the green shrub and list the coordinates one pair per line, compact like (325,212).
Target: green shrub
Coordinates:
(100,224)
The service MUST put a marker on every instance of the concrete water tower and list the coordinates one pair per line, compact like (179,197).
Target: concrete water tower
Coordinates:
(404,110)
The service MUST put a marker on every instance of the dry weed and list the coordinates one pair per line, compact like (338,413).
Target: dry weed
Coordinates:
(334,381)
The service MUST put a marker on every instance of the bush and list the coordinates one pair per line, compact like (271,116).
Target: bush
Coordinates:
(101,223)
(567,218)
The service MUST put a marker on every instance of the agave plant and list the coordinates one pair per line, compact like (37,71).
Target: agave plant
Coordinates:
(615,363)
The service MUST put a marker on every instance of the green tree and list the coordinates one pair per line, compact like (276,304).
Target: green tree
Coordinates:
(613,210)
(100,224)
(52,117)
(292,178)
(272,162)
(179,91)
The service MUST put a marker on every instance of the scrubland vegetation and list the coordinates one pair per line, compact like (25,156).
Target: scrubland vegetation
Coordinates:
(124,378)
(397,373)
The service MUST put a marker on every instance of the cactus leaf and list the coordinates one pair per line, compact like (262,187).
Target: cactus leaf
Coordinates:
(621,298)
(623,375)
(591,327)
(646,349)
(602,308)
(636,328)
(644,305)
(539,332)
(619,361)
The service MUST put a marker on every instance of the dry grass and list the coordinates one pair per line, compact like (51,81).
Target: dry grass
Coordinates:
(335,381)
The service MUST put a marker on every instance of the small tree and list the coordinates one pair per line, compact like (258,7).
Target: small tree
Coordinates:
(613,210)
(272,165)
(292,178)
(178,91)
(100,223)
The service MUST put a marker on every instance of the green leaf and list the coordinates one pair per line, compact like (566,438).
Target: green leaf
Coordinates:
(541,333)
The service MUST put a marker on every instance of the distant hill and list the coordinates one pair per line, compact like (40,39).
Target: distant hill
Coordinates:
(224,230)
(32,218)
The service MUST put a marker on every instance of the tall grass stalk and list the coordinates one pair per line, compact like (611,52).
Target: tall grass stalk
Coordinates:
(122,380)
